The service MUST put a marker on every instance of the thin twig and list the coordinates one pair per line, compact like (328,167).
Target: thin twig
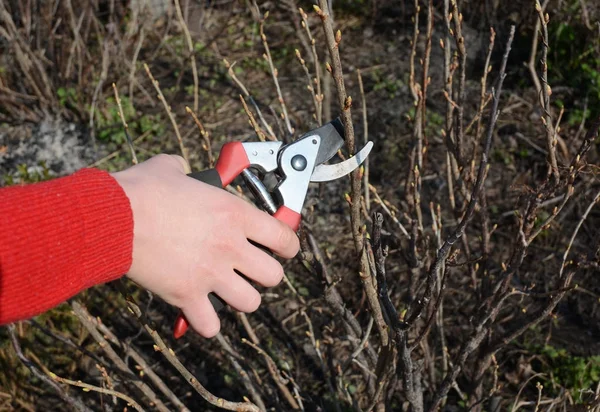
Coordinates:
(71,344)
(363,101)
(124,146)
(457,18)
(205,135)
(434,312)
(409,374)
(437,227)
(361,346)
(413,182)
(381,202)
(555,212)
(317,65)
(246,381)
(75,403)
(590,136)
(310,86)
(133,64)
(545,93)
(191,50)
(144,368)
(533,54)
(274,74)
(448,132)
(413,55)
(87,387)
(85,318)
(259,132)
(125,125)
(275,374)
(345,101)
(333,41)
(292,7)
(332,295)
(484,98)
(443,252)
(516,402)
(106,47)
(169,112)
(246,93)
(420,131)
(317,347)
(574,235)
(170,356)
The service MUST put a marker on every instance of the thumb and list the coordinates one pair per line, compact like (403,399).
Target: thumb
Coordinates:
(182,163)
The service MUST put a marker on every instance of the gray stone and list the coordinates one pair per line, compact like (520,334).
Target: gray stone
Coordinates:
(62,147)
(158,8)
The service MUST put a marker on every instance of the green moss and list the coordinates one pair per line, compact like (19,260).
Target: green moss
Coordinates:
(27,174)
(574,61)
(577,374)
(67,96)
(109,127)
(390,84)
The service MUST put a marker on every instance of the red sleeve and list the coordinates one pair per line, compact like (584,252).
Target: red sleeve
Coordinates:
(60,237)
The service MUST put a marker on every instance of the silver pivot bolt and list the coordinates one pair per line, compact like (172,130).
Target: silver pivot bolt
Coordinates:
(299,162)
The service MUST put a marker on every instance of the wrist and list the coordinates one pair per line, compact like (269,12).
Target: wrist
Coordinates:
(134,192)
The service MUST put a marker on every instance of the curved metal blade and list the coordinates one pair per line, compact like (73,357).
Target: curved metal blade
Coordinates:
(332,139)
(325,173)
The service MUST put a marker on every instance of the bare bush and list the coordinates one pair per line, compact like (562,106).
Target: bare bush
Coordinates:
(419,280)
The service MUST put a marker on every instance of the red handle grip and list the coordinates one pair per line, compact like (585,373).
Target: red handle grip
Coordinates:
(289,217)
(232,161)
(181,326)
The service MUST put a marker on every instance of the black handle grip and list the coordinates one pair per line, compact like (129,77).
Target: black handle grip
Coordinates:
(217,302)
(211,177)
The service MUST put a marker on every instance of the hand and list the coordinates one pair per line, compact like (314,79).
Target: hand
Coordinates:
(189,237)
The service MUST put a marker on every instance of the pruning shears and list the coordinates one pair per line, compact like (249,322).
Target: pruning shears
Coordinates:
(286,172)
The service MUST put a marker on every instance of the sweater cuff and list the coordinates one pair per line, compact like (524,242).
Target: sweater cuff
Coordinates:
(107,226)
(60,237)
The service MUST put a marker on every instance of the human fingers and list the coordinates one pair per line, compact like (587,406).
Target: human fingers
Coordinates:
(202,316)
(238,293)
(271,233)
(258,266)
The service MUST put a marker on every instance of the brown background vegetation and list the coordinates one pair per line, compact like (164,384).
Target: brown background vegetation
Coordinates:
(464,279)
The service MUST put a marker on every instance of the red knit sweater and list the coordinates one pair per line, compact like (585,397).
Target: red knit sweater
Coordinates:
(60,237)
